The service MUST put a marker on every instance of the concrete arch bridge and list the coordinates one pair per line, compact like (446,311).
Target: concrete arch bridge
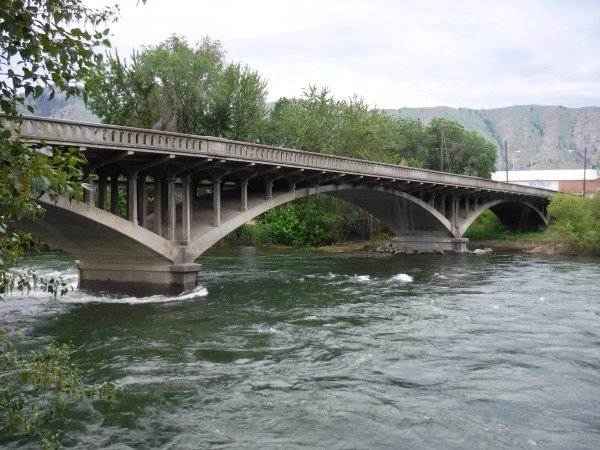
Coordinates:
(184,193)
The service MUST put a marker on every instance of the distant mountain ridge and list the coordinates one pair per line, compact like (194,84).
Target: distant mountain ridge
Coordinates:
(537,137)
(60,107)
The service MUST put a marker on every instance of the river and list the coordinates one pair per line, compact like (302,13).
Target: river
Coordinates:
(306,350)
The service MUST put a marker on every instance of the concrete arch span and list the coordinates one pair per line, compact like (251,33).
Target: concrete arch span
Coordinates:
(401,212)
(116,252)
(405,215)
(515,215)
(111,250)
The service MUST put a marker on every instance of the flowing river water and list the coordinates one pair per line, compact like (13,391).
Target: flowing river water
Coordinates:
(306,350)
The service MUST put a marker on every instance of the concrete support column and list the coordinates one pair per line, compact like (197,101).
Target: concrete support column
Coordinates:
(171,209)
(158,195)
(132,199)
(269,190)
(244,195)
(88,195)
(216,202)
(142,203)
(186,211)
(102,192)
(442,205)
(114,194)
(455,210)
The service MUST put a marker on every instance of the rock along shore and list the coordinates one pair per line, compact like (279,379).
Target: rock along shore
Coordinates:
(487,247)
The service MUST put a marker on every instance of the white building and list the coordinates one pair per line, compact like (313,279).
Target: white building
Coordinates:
(556,180)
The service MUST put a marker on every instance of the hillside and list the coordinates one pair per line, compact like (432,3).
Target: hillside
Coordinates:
(539,137)
(60,108)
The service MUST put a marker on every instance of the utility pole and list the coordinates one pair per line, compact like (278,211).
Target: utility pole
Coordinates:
(584,169)
(442,149)
(506,158)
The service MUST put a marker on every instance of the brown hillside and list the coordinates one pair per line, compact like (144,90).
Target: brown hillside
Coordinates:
(539,137)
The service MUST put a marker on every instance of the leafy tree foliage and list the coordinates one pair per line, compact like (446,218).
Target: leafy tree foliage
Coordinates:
(453,149)
(576,221)
(35,388)
(39,52)
(302,223)
(319,123)
(486,227)
(176,87)
(45,44)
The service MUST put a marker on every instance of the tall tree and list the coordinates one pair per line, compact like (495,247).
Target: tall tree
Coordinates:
(411,142)
(318,122)
(181,88)
(238,106)
(453,149)
(45,44)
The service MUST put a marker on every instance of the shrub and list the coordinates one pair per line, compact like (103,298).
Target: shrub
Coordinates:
(486,227)
(576,222)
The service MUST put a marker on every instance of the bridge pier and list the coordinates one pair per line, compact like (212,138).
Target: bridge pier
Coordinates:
(430,244)
(137,279)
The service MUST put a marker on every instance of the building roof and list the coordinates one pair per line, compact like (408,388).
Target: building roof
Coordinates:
(545,175)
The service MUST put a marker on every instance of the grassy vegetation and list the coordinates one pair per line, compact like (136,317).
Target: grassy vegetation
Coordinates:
(576,222)
(487,227)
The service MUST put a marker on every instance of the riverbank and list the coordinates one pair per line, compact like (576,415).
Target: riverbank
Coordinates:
(533,247)
(536,247)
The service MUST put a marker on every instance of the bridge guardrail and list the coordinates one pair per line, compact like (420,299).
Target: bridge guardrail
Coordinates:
(73,133)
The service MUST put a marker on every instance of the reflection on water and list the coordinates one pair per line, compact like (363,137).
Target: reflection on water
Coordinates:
(309,350)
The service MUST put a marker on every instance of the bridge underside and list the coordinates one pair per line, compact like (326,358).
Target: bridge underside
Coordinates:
(157,254)
(415,224)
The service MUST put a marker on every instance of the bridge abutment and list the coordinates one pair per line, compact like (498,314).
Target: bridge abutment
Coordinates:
(137,279)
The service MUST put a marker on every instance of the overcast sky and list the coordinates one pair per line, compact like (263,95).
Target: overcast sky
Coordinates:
(393,54)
